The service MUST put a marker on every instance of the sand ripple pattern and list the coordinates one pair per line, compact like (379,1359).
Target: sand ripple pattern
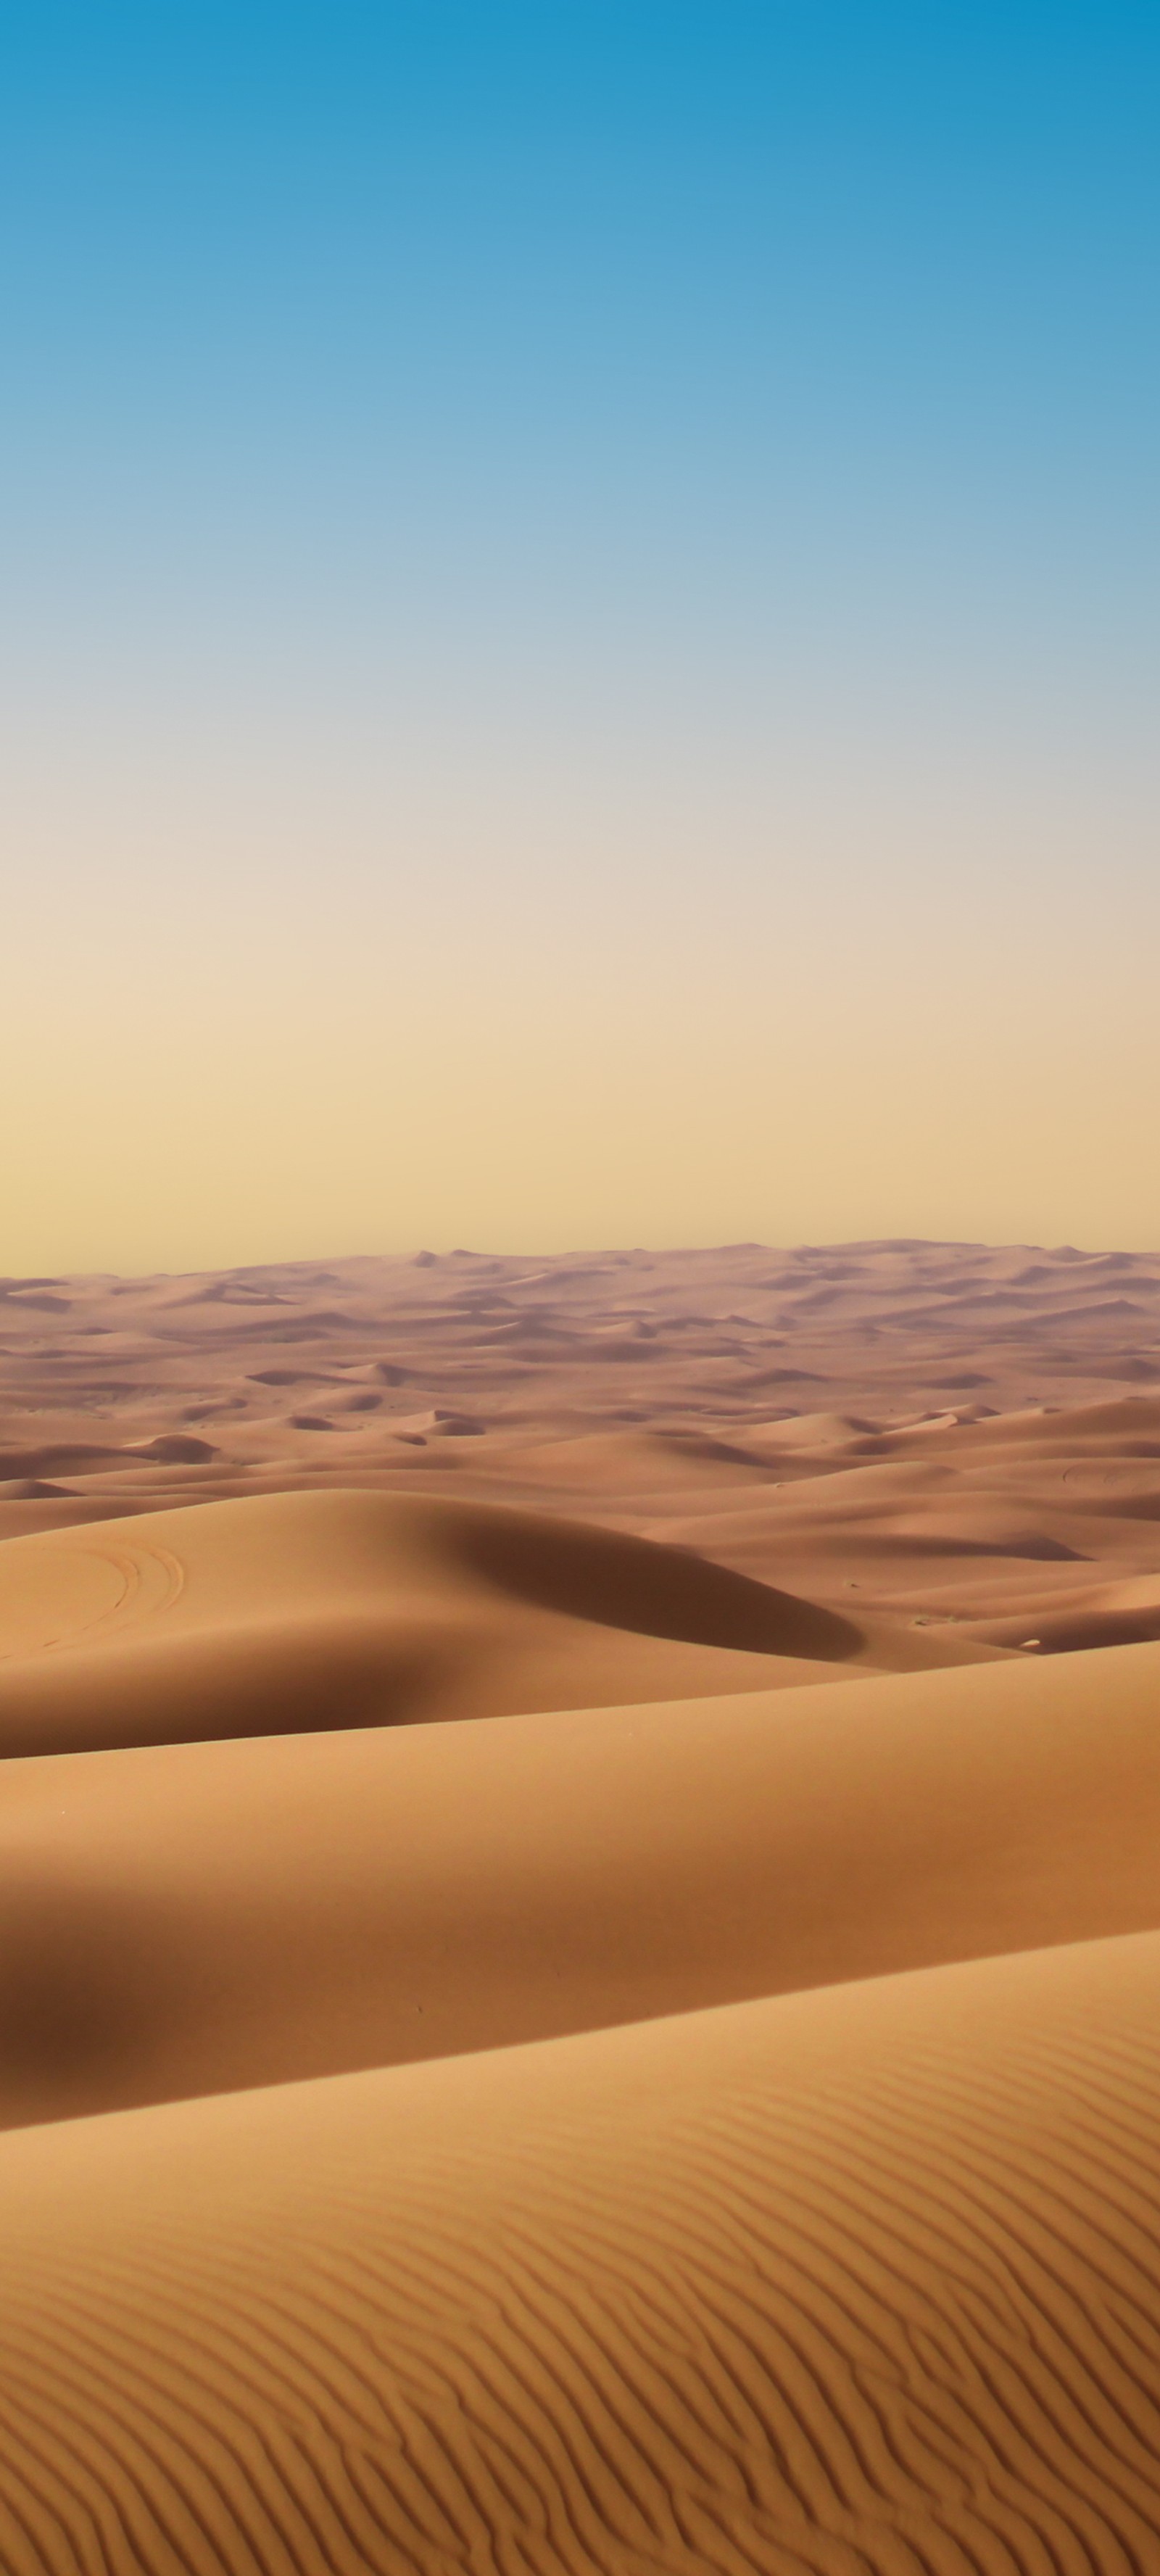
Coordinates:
(860,2281)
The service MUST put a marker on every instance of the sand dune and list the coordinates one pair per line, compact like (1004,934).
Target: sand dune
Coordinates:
(307,1610)
(192,1918)
(745,1395)
(695,2106)
(864,2280)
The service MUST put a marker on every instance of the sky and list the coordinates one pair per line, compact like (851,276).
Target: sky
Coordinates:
(578,625)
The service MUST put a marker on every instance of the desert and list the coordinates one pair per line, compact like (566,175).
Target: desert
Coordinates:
(579,1288)
(581,1914)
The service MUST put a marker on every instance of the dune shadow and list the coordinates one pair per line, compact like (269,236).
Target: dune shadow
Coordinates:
(617,1581)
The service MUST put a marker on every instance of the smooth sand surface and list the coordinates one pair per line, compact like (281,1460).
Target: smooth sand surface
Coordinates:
(199,1917)
(580,1910)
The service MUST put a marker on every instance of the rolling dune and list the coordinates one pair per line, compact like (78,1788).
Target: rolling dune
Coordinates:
(791,1415)
(580,1917)
(306,1610)
(196,1918)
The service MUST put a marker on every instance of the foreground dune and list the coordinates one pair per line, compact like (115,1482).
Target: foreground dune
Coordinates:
(196,1917)
(866,2280)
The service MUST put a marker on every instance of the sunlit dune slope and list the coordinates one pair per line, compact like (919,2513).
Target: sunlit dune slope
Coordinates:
(183,1919)
(294,1611)
(857,2281)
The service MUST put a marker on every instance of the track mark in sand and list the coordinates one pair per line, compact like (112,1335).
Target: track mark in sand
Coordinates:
(153,1579)
(151,1583)
(899,2317)
(146,1580)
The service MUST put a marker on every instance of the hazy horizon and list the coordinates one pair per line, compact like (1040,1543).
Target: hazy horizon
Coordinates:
(321,1261)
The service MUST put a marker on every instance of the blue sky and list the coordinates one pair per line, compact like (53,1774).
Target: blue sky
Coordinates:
(633,507)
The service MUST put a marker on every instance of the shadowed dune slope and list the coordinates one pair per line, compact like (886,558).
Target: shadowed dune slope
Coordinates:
(863,2281)
(185,1919)
(292,1611)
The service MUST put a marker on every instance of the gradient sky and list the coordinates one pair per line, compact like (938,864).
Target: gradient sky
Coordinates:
(578,586)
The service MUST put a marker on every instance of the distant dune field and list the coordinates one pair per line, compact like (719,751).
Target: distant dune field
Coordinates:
(580,1887)
(958,1440)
